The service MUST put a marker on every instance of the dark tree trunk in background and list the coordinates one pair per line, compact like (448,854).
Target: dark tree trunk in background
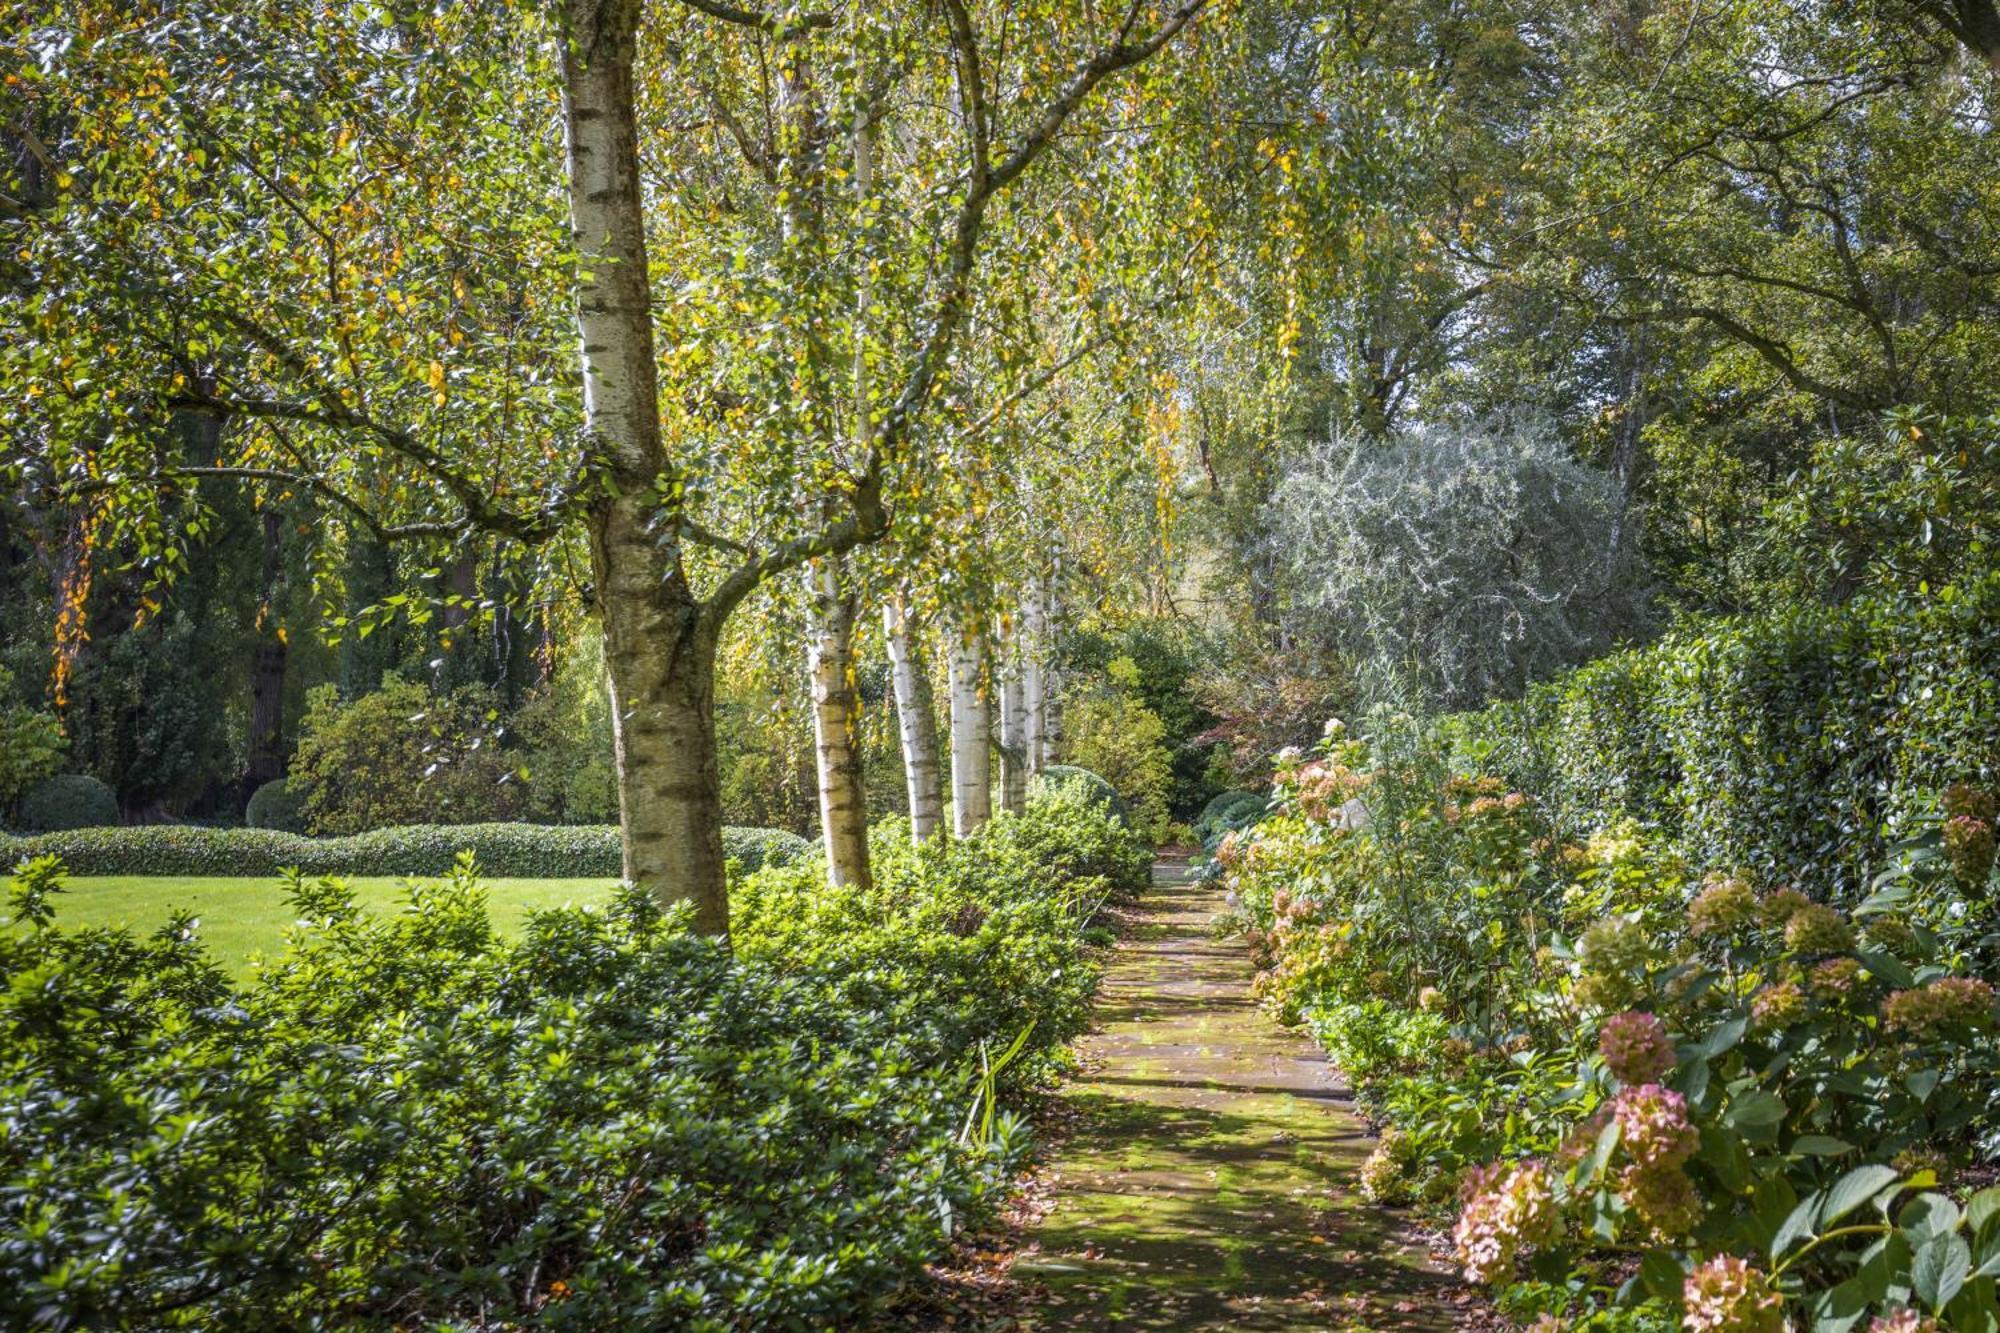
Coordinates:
(264,757)
(370,572)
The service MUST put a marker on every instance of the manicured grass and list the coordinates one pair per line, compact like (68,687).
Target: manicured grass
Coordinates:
(241,918)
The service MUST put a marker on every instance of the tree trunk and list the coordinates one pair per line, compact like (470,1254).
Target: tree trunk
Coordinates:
(659,652)
(264,757)
(971,740)
(1013,728)
(659,640)
(916,722)
(1034,704)
(843,796)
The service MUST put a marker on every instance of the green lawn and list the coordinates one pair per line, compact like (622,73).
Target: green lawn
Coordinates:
(241,918)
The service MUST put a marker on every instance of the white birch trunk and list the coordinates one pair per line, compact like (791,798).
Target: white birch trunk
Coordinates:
(1013,727)
(971,740)
(1034,703)
(843,795)
(916,722)
(659,645)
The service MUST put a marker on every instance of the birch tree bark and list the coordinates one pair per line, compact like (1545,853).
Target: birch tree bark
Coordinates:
(843,795)
(916,721)
(971,733)
(659,641)
(1013,726)
(1034,704)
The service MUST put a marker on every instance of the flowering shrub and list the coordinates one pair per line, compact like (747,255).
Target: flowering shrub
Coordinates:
(1737,1104)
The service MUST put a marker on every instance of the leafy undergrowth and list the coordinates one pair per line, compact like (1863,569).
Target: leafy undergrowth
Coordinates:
(604,1122)
(1654,1098)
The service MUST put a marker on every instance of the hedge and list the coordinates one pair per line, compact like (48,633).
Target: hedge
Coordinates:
(1796,746)
(68,801)
(527,851)
(1226,812)
(1096,788)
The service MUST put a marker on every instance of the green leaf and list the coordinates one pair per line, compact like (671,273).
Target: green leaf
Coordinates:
(1940,1269)
(1755,1108)
(1854,1189)
(1663,1274)
(1887,966)
(1820,1145)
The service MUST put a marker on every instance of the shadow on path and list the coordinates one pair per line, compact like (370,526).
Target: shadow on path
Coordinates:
(1208,1181)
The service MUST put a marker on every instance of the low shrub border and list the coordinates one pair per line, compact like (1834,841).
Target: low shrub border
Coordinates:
(506,851)
(600,1122)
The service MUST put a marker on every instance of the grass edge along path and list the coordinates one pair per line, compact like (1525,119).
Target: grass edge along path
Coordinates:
(1208,1179)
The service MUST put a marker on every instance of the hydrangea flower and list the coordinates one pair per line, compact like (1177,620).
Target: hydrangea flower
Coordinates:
(1778,1006)
(1890,932)
(1602,992)
(1512,1212)
(1948,1002)
(1614,945)
(1777,906)
(1837,976)
(1636,1048)
(1904,1320)
(1430,999)
(1383,1175)
(1962,798)
(1817,928)
(1725,904)
(1662,1197)
(1727,1295)
(1968,844)
(1653,1125)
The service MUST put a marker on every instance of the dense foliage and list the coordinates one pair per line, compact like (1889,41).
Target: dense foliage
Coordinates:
(1635,1076)
(508,850)
(605,1121)
(1460,560)
(69,801)
(1799,745)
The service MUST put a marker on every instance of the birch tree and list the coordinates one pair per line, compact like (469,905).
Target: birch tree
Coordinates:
(365,240)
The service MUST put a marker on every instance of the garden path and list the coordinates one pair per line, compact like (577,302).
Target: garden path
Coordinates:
(1208,1180)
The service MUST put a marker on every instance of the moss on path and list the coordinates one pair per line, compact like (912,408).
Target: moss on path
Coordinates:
(1209,1178)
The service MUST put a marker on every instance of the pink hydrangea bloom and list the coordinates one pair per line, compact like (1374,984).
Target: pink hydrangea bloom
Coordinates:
(1653,1125)
(1778,1006)
(1636,1047)
(1948,1002)
(1905,1320)
(1516,1211)
(1661,1197)
(1723,905)
(1727,1295)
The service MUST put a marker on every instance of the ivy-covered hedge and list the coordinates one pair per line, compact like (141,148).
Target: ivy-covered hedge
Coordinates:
(502,850)
(1794,746)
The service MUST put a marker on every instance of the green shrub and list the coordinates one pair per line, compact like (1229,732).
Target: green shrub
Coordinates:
(1227,812)
(602,1124)
(1095,789)
(524,851)
(1602,1059)
(31,745)
(605,1123)
(404,755)
(1114,735)
(1798,746)
(69,801)
(276,805)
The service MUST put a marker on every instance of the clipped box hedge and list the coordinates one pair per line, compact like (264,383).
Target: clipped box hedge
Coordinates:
(519,851)
(1795,746)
